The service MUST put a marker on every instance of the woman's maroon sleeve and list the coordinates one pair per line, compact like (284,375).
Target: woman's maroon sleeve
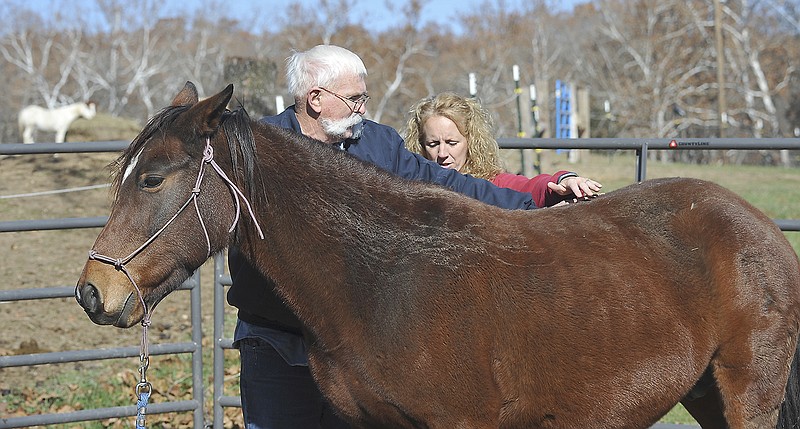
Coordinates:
(536,186)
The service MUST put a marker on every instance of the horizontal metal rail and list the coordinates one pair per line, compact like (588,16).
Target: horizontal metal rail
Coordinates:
(53,224)
(62,292)
(96,414)
(94,354)
(73,147)
(82,355)
(788,224)
(641,146)
(504,142)
(658,143)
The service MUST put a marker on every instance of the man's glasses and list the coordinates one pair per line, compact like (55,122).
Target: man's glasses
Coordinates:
(357,100)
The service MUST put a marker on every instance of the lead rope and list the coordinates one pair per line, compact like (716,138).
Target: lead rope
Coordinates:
(143,387)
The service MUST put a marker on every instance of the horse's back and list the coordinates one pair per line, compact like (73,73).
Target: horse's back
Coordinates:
(701,238)
(724,238)
(692,209)
(29,115)
(719,222)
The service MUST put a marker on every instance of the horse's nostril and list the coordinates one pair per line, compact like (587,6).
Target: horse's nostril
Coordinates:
(89,298)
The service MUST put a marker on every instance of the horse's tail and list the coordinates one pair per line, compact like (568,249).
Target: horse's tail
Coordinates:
(789,416)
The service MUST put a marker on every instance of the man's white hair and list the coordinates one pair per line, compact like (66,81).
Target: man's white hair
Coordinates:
(321,65)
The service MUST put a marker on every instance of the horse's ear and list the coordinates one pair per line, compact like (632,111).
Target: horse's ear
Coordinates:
(208,113)
(187,96)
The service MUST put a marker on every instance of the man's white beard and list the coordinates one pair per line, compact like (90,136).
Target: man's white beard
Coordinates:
(343,128)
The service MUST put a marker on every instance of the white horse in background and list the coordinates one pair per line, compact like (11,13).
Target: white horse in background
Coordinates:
(55,120)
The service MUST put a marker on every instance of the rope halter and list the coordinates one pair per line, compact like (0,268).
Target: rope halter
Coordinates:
(208,158)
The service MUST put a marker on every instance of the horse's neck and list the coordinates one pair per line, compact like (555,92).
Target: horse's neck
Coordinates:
(71,112)
(308,220)
(343,239)
(302,189)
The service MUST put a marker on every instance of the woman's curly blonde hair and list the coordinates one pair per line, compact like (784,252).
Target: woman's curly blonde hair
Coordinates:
(473,122)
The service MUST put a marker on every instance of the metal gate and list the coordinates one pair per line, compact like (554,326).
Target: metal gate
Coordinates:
(193,347)
(221,279)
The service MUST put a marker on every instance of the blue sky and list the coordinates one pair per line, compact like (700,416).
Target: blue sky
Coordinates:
(374,12)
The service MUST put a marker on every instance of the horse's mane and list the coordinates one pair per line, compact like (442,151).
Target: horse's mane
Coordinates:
(159,122)
(235,125)
(319,163)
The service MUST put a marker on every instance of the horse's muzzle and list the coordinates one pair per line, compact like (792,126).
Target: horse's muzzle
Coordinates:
(91,300)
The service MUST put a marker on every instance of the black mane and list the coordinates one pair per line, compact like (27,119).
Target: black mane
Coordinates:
(156,125)
(235,125)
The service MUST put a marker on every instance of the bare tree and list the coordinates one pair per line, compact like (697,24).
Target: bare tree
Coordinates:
(652,60)
(126,65)
(47,59)
(319,23)
(649,57)
(394,64)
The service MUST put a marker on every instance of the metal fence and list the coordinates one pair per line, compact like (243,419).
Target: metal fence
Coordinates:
(642,147)
(221,279)
(193,347)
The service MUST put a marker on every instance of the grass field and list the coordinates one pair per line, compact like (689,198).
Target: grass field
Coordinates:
(774,190)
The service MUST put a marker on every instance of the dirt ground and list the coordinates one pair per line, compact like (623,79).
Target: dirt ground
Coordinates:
(49,258)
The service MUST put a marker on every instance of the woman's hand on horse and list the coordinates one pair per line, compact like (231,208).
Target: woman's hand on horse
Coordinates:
(581,187)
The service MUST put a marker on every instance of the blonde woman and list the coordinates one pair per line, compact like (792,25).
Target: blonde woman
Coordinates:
(456,132)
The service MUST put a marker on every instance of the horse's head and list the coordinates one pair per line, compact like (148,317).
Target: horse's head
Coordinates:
(173,208)
(89,110)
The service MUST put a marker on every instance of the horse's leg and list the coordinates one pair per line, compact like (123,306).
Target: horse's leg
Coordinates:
(61,135)
(746,372)
(27,134)
(789,417)
(749,410)
(765,421)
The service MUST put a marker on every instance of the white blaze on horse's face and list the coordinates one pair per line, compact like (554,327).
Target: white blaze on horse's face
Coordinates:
(131,166)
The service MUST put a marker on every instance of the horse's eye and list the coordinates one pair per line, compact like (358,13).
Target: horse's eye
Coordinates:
(152,181)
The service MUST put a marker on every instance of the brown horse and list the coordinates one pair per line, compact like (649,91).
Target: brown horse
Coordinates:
(424,308)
